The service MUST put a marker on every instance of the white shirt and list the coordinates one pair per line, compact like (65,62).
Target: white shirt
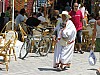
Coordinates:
(92,20)
(42,19)
(19,19)
(82,10)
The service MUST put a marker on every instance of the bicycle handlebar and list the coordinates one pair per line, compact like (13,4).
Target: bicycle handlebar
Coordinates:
(36,28)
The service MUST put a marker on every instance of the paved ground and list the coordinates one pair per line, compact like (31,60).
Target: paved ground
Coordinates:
(36,65)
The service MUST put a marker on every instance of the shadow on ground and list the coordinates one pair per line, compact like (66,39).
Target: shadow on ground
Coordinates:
(92,69)
(2,69)
(97,72)
(50,69)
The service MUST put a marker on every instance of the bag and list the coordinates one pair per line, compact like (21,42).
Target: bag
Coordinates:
(62,42)
(92,58)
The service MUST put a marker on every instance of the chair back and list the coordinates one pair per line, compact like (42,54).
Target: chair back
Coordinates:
(22,32)
(24,26)
(11,35)
(8,26)
(6,46)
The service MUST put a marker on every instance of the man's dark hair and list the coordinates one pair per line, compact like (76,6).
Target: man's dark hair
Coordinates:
(92,15)
(22,11)
(39,14)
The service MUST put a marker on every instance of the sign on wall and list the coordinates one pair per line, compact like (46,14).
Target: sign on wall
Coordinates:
(41,2)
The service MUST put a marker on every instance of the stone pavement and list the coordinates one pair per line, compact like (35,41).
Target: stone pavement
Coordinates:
(36,65)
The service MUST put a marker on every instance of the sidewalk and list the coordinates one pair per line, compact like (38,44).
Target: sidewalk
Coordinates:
(36,65)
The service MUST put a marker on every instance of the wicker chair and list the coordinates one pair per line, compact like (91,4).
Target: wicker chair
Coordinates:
(8,26)
(24,34)
(13,36)
(3,53)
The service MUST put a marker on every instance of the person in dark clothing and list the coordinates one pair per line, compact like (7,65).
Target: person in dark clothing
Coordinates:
(33,21)
(67,8)
(2,18)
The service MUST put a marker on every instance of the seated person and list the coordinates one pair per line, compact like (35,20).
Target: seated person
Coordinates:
(41,18)
(92,19)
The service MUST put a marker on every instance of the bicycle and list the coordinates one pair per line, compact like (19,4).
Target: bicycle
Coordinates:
(42,45)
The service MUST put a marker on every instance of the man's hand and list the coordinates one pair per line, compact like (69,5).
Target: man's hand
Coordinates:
(54,38)
(70,42)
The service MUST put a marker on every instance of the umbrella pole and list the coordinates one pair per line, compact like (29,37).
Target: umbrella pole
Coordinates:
(13,15)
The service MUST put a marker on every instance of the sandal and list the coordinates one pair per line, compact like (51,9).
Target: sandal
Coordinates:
(81,52)
(62,67)
(56,66)
(68,65)
(98,70)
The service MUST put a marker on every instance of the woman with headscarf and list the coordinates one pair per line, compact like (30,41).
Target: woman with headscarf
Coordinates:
(66,33)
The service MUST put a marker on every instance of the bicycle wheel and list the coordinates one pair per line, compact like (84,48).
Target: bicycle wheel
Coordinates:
(24,49)
(44,46)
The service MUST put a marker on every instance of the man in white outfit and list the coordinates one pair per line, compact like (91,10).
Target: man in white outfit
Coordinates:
(66,33)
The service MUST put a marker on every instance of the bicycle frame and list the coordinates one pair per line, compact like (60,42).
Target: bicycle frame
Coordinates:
(41,44)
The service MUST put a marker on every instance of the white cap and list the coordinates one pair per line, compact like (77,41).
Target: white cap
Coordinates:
(66,13)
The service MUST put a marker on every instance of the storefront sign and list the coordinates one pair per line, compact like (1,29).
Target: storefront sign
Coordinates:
(41,2)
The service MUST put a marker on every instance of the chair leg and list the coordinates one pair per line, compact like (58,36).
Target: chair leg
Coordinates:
(12,49)
(31,50)
(9,54)
(7,66)
(14,54)
(6,62)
